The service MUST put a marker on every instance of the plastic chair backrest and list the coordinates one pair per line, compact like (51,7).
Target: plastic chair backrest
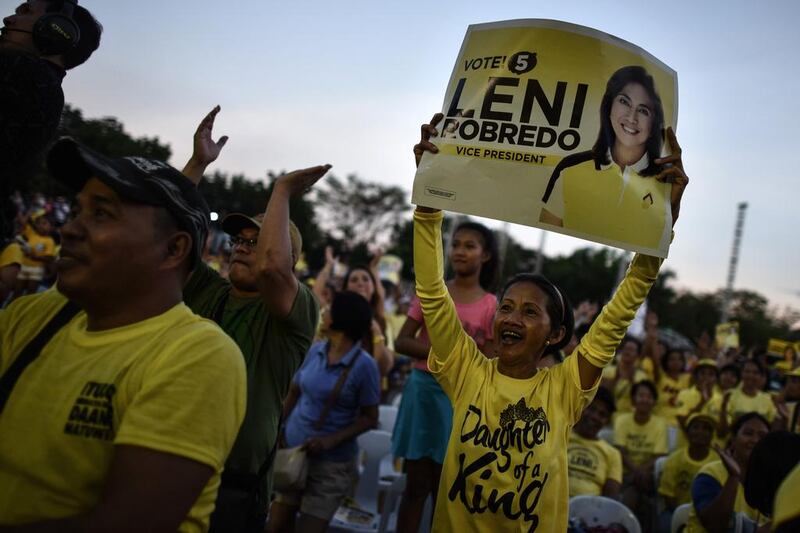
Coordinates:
(672,438)
(607,434)
(680,517)
(376,445)
(387,416)
(658,469)
(600,511)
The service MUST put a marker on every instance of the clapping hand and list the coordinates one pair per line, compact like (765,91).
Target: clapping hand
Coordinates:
(206,149)
(427,131)
(300,181)
(730,463)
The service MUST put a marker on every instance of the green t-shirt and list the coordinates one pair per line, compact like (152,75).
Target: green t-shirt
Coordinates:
(273,350)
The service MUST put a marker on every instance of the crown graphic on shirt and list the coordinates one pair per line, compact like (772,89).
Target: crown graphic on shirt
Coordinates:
(520,412)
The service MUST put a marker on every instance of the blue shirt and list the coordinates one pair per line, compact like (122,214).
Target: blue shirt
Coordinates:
(317,379)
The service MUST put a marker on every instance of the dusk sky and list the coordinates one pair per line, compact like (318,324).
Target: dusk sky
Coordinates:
(349,83)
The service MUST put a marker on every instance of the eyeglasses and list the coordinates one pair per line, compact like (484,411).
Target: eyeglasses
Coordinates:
(236,241)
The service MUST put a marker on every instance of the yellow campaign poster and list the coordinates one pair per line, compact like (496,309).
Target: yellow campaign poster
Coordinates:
(555,126)
(786,351)
(727,335)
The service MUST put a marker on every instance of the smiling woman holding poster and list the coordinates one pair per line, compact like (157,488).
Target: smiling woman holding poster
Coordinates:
(626,157)
(505,468)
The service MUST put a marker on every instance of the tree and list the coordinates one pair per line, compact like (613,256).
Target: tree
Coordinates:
(586,274)
(356,211)
(105,135)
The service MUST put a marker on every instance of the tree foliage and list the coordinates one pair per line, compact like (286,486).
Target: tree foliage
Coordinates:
(355,211)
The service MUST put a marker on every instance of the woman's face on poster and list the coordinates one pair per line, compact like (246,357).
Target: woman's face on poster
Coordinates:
(632,116)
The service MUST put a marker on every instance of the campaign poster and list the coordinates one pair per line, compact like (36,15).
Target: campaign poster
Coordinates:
(556,126)
(727,335)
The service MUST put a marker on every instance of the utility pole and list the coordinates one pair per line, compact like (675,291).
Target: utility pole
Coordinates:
(540,254)
(737,239)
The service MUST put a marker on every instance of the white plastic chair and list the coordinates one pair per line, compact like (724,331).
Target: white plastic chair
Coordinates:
(387,416)
(607,434)
(658,470)
(375,445)
(601,511)
(672,438)
(680,517)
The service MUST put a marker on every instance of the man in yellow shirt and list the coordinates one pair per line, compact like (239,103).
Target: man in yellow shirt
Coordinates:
(683,464)
(118,405)
(595,467)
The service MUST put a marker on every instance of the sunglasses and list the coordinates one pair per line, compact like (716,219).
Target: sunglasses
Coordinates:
(236,241)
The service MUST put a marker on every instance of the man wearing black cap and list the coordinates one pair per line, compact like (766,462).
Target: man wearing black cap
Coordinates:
(118,405)
(271,316)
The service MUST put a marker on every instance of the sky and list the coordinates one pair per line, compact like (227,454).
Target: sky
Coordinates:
(349,82)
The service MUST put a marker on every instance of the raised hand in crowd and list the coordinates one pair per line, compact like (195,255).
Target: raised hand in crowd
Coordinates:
(205,149)
(674,173)
(427,131)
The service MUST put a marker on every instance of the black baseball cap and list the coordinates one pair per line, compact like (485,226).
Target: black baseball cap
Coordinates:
(137,179)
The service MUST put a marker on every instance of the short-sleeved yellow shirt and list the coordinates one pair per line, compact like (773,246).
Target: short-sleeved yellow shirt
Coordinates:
(173,383)
(642,441)
(591,464)
(668,390)
(740,403)
(679,471)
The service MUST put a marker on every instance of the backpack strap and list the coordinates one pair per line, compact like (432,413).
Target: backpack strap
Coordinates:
(33,349)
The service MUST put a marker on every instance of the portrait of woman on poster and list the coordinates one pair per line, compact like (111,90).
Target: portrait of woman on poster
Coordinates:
(626,198)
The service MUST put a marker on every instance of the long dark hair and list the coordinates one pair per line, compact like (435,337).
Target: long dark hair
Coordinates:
(606,137)
(488,276)
(558,307)
(375,304)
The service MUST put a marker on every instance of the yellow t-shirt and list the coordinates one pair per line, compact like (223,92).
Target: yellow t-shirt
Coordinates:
(642,441)
(172,383)
(622,389)
(618,206)
(679,471)
(688,399)
(717,471)
(591,464)
(40,245)
(645,364)
(668,390)
(11,254)
(740,403)
(787,500)
(506,463)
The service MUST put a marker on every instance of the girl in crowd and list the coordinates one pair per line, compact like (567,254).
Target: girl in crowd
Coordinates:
(717,491)
(671,378)
(506,464)
(425,417)
(363,280)
(333,398)
(747,398)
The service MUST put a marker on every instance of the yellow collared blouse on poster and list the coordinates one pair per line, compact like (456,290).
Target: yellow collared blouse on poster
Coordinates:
(616,204)
(506,462)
